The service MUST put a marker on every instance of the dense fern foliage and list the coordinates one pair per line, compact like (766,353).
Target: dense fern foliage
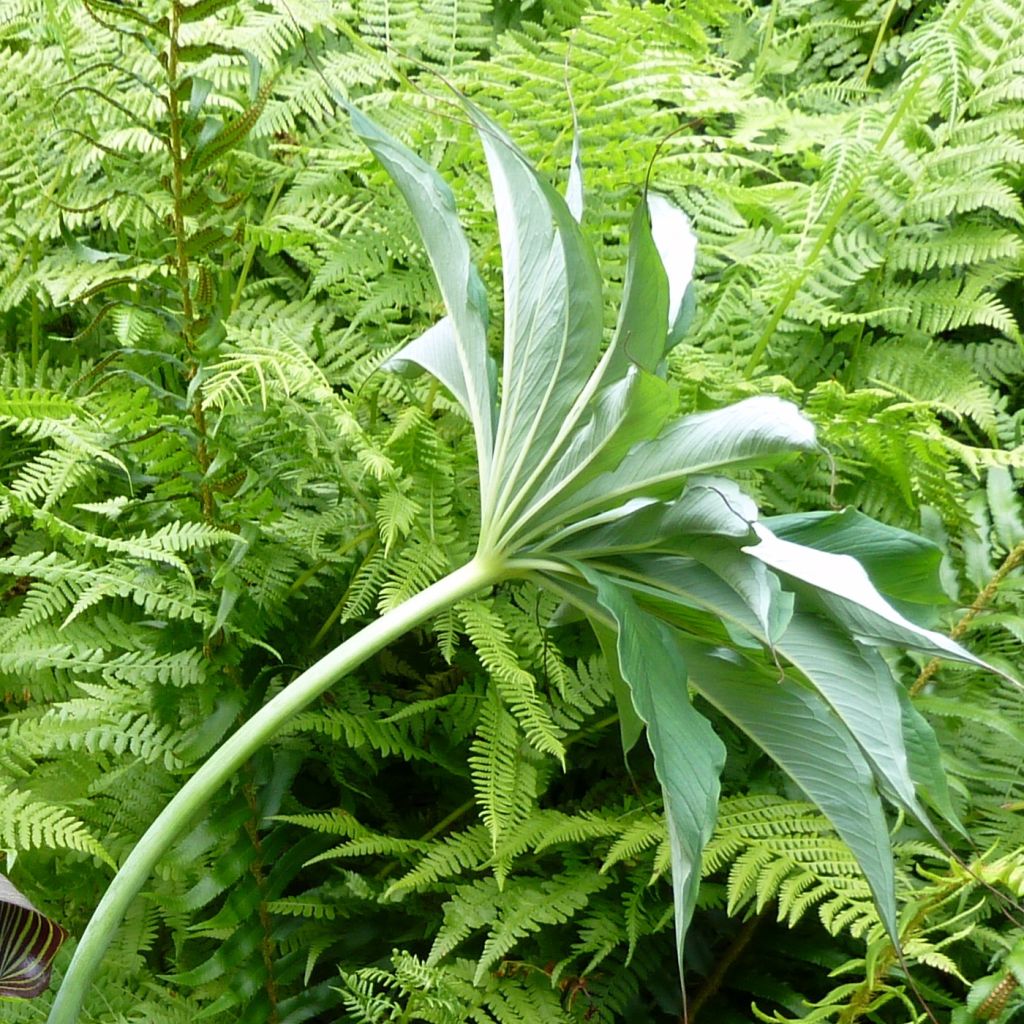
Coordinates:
(205,482)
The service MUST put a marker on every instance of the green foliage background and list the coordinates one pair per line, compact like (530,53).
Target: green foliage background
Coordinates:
(206,482)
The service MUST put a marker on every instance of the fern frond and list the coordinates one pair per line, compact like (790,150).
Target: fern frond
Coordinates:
(781,851)
(505,783)
(464,851)
(641,834)
(517,687)
(31,824)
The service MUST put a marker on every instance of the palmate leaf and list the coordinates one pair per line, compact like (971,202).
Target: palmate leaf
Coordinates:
(758,588)
(553,313)
(588,487)
(627,398)
(694,597)
(857,730)
(710,506)
(621,414)
(592,481)
(809,739)
(639,337)
(925,762)
(677,248)
(29,941)
(437,351)
(755,431)
(853,679)
(658,278)
(707,524)
(574,193)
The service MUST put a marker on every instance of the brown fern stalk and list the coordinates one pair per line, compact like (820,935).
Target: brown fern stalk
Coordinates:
(206,498)
(995,1002)
(266,942)
(985,597)
(723,965)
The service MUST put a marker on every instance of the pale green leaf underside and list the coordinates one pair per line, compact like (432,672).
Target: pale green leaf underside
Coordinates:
(553,318)
(433,206)
(901,564)
(621,414)
(639,337)
(688,755)
(925,762)
(711,506)
(845,590)
(856,682)
(813,747)
(436,350)
(677,247)
(756,430)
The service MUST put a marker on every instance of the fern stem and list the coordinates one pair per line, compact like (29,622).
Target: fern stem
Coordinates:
(178,177)
(432,833)
(343,600)
(464,808)
(980,603)
(882,28)
(303,578)
(766,40)
(448,819)
(251,251)
(190,800)
(713,982)
(252,829)
(35,314)
(206,499)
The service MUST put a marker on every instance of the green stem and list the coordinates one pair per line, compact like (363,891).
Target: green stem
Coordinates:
(449,819)
(723,964)
(766,41)
(251,251)
(303,578)
(35,314)
(879,39)
(190,800)
(342,601)
(985,597)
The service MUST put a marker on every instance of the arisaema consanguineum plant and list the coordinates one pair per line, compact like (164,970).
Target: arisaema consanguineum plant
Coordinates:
(591,487)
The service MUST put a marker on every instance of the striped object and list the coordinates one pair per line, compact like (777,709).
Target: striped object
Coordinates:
(29,941)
